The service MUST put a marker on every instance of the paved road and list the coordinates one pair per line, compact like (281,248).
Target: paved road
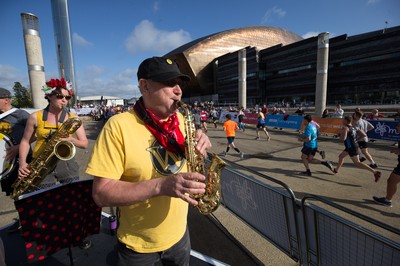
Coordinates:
(280,158)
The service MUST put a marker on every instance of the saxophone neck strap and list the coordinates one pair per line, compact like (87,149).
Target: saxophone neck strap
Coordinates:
(162,137)
(62,116)
(12,110)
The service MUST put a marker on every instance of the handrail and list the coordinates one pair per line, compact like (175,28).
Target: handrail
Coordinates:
(354,213)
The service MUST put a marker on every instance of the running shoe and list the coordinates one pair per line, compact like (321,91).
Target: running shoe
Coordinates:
(322,153)
(329,165)
(383,201)
(308,172)
(373,165)
(362,159)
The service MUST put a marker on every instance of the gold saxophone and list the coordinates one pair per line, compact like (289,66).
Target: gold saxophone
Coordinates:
(210,200)
(54,150)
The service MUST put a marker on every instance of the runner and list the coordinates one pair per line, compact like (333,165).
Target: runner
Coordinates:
(348,136)
(230,128)
(261,124)
(310,146)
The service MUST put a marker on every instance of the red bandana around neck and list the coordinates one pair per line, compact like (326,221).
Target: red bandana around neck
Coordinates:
(166,132)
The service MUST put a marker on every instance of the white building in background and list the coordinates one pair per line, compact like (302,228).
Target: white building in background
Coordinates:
(101,100)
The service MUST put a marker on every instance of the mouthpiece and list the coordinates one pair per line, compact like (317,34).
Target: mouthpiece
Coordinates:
(180,104)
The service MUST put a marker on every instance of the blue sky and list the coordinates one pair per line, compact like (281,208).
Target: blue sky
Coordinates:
(111,38)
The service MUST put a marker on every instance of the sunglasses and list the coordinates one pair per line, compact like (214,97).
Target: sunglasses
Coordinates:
(60,96)
(174,82)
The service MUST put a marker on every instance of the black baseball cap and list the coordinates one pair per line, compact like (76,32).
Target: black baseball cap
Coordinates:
(160,69)
(4,93)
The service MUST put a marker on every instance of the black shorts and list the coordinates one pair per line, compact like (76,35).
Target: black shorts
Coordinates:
(309,151)
(259,125)
(362,144)
(352,152)
(230,139)
(396,170)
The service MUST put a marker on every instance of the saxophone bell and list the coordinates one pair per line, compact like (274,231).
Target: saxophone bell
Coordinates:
(64,150)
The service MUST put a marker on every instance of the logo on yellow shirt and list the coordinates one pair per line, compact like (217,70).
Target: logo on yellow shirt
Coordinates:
(165,162)
(5,127)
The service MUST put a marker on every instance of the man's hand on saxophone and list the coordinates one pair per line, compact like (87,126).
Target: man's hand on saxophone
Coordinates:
(203,142)
(182,185)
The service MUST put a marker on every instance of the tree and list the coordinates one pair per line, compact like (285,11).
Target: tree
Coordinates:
(22,97)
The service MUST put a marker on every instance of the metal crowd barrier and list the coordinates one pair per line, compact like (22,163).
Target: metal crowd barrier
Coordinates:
(333,240)
(268,210)
(305,232)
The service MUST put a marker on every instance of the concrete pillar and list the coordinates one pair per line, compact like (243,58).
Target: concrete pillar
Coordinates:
(242,78)
(322,73)
(34,58)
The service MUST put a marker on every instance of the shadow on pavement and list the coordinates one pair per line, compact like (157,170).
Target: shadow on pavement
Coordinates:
(207,236)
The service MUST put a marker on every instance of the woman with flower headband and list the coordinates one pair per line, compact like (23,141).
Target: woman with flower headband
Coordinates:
(40,127)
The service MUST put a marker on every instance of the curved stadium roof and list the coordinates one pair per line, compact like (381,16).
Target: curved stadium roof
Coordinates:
(195,58)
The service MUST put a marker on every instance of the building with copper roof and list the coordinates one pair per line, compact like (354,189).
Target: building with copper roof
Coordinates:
(197,58)
(281,67)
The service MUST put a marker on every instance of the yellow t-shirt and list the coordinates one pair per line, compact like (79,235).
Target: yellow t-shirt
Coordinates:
(44,131)
(126,150)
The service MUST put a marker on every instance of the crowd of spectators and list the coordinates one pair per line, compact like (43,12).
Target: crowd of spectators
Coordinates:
(211,112)
(103,113)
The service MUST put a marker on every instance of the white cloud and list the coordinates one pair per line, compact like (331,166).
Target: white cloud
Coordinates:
(93,81)
(272,13)
(9,75)
(146,38)
(92,71)
(310,34)
(80,41)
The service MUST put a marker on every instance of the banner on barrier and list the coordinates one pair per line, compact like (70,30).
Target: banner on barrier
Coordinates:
(291,121)
(284,121)
(250,118)
(385,130)
(234,115)
(329,125)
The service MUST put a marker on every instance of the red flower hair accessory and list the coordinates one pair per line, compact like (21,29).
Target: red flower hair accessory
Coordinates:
(53,84)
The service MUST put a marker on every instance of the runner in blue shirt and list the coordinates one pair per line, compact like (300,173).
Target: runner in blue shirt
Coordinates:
(310,146)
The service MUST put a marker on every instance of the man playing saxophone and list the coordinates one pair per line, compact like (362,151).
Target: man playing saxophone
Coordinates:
(138,165)
(42,125)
